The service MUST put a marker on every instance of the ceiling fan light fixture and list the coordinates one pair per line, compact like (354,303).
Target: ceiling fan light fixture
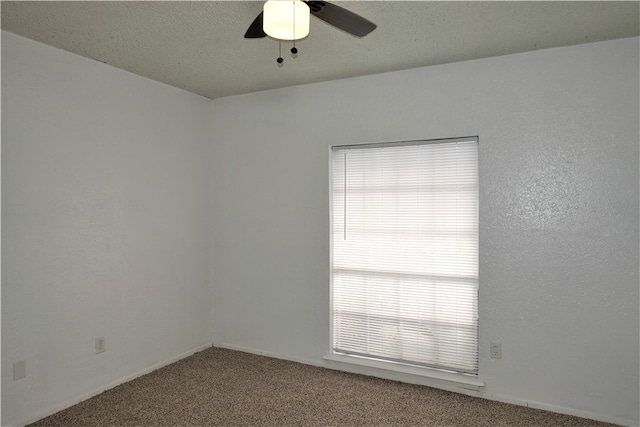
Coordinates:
(286,19)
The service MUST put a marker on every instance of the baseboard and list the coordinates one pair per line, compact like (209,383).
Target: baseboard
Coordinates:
(412,379)
(403,378)
(116,383)
(269,354)
(563,410)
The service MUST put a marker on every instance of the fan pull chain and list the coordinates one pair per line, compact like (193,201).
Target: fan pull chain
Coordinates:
(294,49)
(280,60)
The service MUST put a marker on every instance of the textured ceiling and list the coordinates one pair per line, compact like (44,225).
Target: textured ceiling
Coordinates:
(199,46)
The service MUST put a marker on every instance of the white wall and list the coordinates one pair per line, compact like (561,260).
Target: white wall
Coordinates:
(105,219)
(559,213)
(106,211)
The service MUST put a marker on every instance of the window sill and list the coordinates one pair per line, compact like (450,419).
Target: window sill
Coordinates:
(401,372)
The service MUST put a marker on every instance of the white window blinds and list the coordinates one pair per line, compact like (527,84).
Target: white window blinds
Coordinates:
(405,252)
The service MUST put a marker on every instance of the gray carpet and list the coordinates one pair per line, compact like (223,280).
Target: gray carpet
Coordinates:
(230,388)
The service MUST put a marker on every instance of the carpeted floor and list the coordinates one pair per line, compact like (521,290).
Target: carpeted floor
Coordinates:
(230,388)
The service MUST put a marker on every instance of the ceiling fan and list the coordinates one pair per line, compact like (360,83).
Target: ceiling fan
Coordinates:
(337,16)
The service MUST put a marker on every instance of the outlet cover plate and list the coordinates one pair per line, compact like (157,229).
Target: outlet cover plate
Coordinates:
(100,347)
(496,350)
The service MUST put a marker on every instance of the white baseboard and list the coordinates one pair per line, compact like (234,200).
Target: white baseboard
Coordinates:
(269,354)
(412,379)
(381,374)
(102,389)
(563,410)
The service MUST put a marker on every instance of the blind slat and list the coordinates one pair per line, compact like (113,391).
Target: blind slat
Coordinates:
(405,253)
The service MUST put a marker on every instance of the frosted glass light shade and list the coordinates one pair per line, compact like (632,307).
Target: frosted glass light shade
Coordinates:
(278,19)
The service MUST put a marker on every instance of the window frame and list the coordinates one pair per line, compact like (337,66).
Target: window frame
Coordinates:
(342,360)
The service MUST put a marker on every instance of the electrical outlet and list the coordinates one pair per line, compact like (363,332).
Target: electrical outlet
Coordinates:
(496,350)
(100,347)
(19,370)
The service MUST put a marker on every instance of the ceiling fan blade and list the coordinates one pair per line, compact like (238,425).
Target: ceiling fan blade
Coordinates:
(255,30)
(341,18)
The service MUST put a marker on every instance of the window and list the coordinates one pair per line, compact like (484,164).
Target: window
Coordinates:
(405,252)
